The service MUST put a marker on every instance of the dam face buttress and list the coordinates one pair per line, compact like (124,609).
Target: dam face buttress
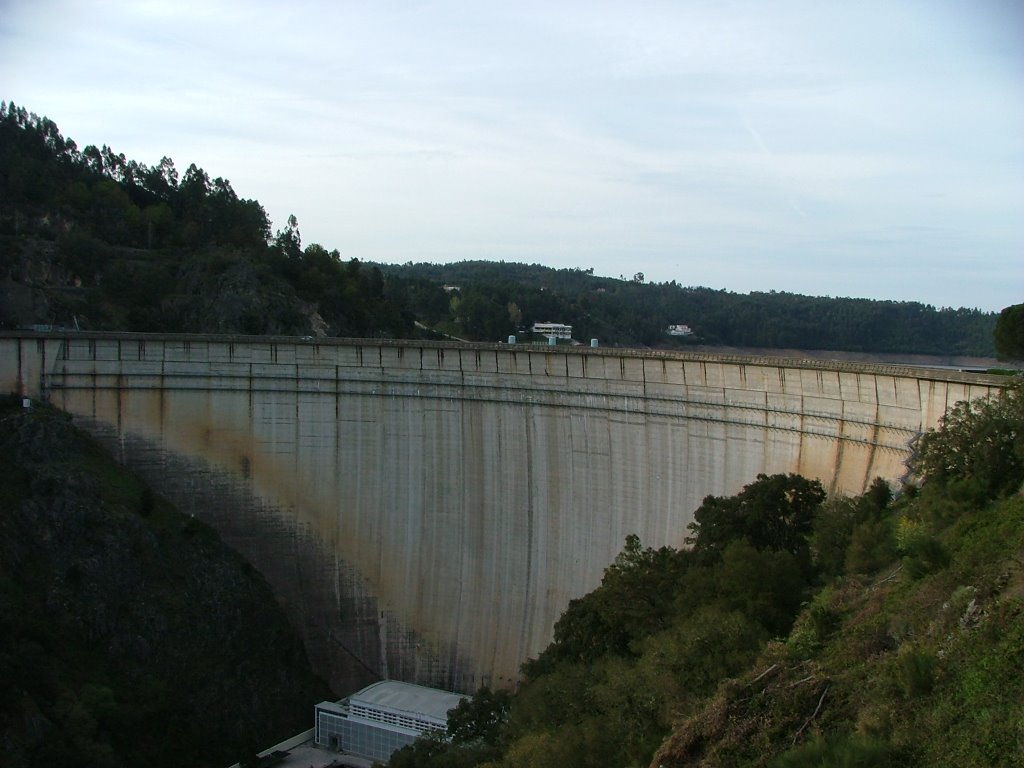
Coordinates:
(425,511)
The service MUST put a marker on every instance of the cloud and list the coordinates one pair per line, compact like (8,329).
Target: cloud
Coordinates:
(738,143)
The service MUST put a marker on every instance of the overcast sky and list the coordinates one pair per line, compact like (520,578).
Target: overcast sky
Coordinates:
(870,149)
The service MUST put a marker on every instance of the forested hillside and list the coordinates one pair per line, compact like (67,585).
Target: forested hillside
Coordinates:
(91,239)
(130,635)
(797,630)
(497,298)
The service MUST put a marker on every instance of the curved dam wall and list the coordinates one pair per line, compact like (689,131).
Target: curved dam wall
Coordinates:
(426,510)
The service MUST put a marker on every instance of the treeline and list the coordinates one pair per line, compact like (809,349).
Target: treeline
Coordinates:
(92,239)
(507,298)
(797,630)
(114,199)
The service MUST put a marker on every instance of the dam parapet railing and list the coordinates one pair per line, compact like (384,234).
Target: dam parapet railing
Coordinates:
(888,405)
(312,344)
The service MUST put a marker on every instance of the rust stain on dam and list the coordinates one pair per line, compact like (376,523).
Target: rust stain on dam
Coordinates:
(425,511)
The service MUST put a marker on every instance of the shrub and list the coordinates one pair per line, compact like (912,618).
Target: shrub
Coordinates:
(838,751)
(872,546)
(925,555)
(833,529)
(814,626)
(980,442)
(916,671)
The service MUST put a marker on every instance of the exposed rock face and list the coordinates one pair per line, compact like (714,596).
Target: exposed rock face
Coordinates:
(238,298)
(80,282)
(124,624)
(21,304)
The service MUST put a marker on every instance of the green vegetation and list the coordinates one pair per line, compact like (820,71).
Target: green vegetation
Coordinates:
(797,630)
(979,450)
(90,239)
(630,312)
(129,633)
(1009,333)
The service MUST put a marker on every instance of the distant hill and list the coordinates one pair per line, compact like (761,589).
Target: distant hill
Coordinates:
(495,298)
(93,240)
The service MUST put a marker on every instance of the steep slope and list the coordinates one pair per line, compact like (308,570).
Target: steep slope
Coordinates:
(129,634)
(916,664)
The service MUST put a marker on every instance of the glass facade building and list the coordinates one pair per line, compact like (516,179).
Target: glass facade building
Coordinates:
(382,718)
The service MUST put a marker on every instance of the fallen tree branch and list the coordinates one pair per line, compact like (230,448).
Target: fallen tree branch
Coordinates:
(770,669)
(890,576)
(814,714)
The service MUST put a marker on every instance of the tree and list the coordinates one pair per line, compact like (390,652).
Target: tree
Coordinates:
(288,240)
(515,314)
(636,598)
(843,520)
(699,650)
(478,720)
(774,513)
(978,442)
(765,586)
(195,188)
(482,317)
(1009,333)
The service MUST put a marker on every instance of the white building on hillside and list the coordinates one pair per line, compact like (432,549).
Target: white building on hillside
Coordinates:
(553,330)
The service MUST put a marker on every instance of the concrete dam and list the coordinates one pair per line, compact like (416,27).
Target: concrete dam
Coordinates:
(425,511)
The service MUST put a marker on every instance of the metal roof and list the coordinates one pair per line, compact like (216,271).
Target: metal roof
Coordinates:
(406,697)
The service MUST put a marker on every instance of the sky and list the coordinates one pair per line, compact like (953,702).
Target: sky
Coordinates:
(831,148)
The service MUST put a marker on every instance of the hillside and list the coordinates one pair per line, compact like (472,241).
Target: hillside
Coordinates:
(91,239)
(129,633)
(499,298)
(796,630)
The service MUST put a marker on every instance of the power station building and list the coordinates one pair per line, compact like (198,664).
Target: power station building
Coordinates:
(382,718)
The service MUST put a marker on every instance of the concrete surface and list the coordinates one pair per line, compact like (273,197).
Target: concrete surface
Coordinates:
(425,511)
